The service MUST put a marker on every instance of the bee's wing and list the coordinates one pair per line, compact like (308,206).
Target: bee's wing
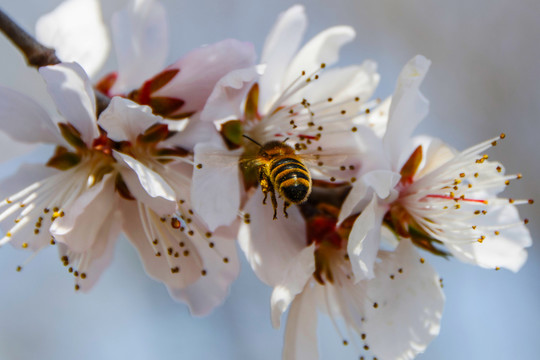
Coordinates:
(338,157)
(332,166)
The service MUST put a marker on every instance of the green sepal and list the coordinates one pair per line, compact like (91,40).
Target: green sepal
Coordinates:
(165,105)
(252,103)
(411,166)
(426,242)
(63,159)
(232,131)
(154,134)
(322,267)
(162,79)
(101,172)
(166,153)
(181,116)
(72,135)
(122,188)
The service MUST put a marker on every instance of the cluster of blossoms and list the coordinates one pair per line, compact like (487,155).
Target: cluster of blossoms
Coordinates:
(176,160)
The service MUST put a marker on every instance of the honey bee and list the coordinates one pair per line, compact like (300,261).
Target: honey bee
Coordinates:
(281,169)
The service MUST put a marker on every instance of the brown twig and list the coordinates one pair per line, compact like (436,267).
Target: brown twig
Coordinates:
(38,55)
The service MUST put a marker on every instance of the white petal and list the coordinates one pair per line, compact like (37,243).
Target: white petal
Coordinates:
(435,154)
(193,133)
(76,31)
(141,42)
(377,119)
(323,48)
(382,182)
(271,245)
(212,289)
(83,218)
(72,92)
(25,176)
(279,48)
(355,201)
(147,186)
(227,97)
(343,84)
(299,272)
(301,331)
(215,192)
(506,250)
(364,240)
(137,220)
(25,120)
(202,68)
(407,109)
(124,120)
(409,307)
(100,255)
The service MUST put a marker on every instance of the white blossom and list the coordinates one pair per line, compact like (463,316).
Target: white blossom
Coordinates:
(292,96)
(70,200)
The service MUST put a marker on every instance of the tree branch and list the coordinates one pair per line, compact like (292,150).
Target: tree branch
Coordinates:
(38,55)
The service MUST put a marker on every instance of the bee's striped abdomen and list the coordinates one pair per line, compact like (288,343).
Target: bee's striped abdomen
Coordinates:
(291,179)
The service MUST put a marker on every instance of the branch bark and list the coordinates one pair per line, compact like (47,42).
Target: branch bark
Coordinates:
(38,55)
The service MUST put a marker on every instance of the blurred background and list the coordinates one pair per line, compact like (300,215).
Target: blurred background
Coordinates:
(484,80)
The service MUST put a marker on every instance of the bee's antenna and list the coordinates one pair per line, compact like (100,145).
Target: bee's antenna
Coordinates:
(284,141)
(250,139)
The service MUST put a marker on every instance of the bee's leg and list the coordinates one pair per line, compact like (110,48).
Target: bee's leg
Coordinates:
(265,184)
(286,204)
(274,202)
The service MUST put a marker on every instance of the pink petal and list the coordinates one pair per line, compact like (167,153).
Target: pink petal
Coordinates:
(323,48)
(364,240)
(124,120)
(279,48)
(301,331)
(100,255)
(407,109)
(25,120)
(201,69)
(297,275)
(193,133)
(344,84)
(506,250)
(409,306)
(84,217)
(73,95)
(212,289)
(146,185)
(25,176)
(229,93)
(270,253)
(377,119)
(137,218)
(215,191)
(141,42)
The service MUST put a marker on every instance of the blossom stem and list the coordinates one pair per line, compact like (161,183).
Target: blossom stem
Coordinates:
(36,54)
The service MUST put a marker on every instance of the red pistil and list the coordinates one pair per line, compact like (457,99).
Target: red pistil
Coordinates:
(310,137)
(322,229)
(457,199)
(106,83)
(103,144)
(145,92)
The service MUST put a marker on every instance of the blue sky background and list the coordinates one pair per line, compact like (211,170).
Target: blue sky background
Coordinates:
(484,80)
